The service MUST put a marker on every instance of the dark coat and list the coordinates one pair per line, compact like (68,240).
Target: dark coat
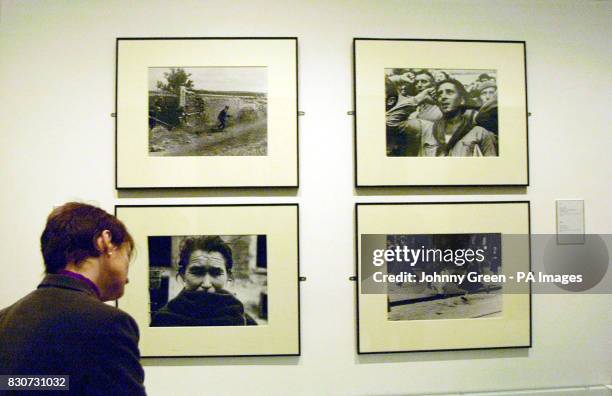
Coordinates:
(195,308)
(62,328)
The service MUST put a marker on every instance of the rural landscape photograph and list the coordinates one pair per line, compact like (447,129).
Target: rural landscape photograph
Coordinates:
(208,111)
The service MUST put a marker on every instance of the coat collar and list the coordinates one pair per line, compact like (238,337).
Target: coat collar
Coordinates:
(67,282)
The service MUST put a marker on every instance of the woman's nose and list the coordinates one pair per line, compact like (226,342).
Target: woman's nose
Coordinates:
(206,283)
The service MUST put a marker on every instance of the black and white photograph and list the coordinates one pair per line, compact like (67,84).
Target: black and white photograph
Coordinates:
(433,112)
(208,280)
(434,275)
(450,277)
(208,111)
(441,112)
(214,280)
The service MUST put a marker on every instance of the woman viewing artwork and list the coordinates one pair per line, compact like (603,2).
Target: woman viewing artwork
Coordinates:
(205,270)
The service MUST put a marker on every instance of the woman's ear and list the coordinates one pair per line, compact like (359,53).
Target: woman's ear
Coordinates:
(105,243)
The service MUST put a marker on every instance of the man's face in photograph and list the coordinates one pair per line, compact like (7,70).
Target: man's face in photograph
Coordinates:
(449,98)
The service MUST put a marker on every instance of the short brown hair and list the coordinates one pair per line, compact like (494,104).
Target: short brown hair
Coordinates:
(71,233)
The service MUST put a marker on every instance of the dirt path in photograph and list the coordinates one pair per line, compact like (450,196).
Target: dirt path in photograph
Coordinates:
(239,140)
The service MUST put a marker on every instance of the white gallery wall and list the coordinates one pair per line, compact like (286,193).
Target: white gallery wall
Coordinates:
(57,93)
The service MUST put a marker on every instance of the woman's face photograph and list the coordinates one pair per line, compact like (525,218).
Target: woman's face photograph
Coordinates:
(205,272)
(190,283)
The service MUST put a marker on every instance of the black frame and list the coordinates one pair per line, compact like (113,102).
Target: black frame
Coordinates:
(356,276)
(298,280)
(356,179)
(297,95)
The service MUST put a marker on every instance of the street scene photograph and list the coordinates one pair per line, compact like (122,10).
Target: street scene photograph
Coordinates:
(445,297)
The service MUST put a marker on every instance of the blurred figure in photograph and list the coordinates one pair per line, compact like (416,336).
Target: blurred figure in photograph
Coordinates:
(404,90)
(455,134)
(487,114)
(440,75)
(205,267)
(403,80)
(155,111)
(419,106)
(475,87)
(485,77)
(398,145)
(426,108)
(391,94)
(223,118)
(488,91)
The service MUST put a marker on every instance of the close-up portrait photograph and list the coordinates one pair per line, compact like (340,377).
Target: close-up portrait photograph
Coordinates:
(208,280)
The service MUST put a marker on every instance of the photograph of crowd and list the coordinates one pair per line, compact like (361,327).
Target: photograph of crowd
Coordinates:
(441,112)
(208,111)
(208,280)
(442,289)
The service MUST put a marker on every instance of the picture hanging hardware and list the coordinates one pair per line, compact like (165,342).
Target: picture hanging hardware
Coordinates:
(353,278)
(302,278)
(113,114)
(529,114)
(351,112)
(301,113)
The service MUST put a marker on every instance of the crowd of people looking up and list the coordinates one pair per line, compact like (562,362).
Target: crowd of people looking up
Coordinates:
(429,112)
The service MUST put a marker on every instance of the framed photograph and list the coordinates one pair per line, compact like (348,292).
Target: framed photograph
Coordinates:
(440,113)
(206,112)
(441,276)
(219,280)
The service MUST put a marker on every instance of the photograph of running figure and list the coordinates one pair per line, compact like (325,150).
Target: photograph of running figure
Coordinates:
(208,111)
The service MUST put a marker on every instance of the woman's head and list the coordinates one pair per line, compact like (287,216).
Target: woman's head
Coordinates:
(205,263)
(74,232)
